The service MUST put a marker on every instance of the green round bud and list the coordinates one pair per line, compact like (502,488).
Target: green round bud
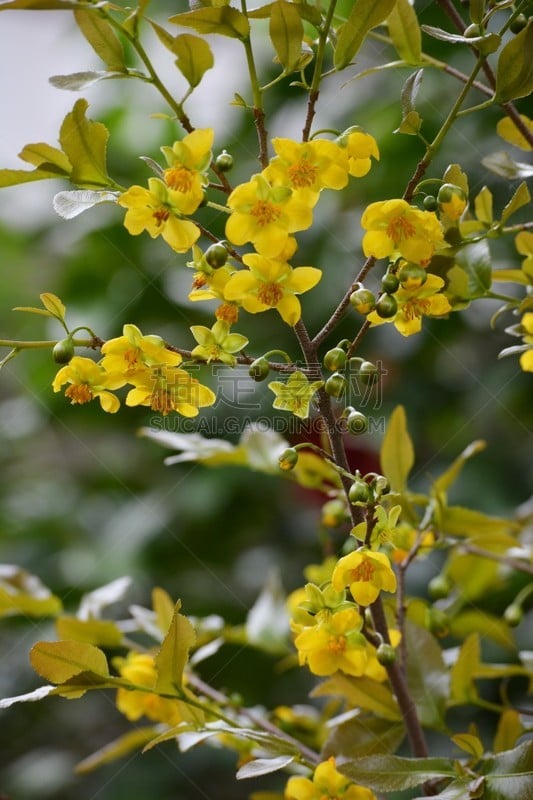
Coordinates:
(381,485)
(438,622)
(259,369)
(367,371)
(386,654)
(386,306)
(335,359)
(288,459)
(439,587)
(63,351)
(363,300)
(357,423)
(224,161)
(472,31)
(448,191)
(412,276)
(513,615)
(216,255)
(333,513)
(430,203)
(518,24)
(390,283)
(359,492)
(335,385)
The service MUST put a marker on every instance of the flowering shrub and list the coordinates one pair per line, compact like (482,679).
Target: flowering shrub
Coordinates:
(392,664)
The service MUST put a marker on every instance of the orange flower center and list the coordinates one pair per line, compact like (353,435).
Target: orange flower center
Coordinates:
(265,212)
(302,174)
(400,228)
(180,179)
(363,572)
(161,401)
(416,307)
(161,215)
(79,393)
(270,294)
(199,281)
(131,356)
(227,313)
(337,644)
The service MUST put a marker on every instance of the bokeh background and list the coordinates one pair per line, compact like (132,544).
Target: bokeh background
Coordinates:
(84,501)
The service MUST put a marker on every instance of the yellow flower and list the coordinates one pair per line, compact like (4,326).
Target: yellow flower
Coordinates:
(187,162)
(87,380)
(133,352)
(308,167)
(508,131)
(334,643)
(360,148)
(217,343)
(413,304)
(526,359)
(327,784)
(270,283)
(167,389)
(139,669)
(524,245)
(296,394)
(265,215)
(366,573)
(395,227)
(156,211)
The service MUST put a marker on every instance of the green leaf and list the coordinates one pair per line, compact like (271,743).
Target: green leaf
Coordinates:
(483,206)
(470,744)
(469,523)
(503,165)
(487,43)
(363,735)
(427,677)
(286,32)
(405,33)
(393,773)
(364,16)
(41,5)
(59,661)
(101,632)
(263,766)
(410,124)
(462,687)
(510,729)
(454,174)
(55,307)
(474,576)
(514,72)
(486,625)
(194,57)
(397,452)
(172,657)
(24,593)
(102,38)
(520,198)
(362,693)
(448,478)
(225,20)
(70,204)
(476,9)
(508,774)
(163,35)
(476,260)
(45,156)
(133,740)
(75,81)
(84,143)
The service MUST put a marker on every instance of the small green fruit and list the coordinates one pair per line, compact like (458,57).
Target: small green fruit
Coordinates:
(216,255)
(430,203)
(359,492)
(224,161)
(63,351)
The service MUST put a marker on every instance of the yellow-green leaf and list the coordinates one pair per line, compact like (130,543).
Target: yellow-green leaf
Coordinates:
(469,523)
(405,32)
(410,124)
(397,453)
(462,673)
(225,20)
(25,603)
(483,206)
(520,198)
(454,174)
(102,38)
(194,57)
(514,72)
(469,743)
(84,142)
(286,33)
(101,632)
(53,305)
(487,625)
(444,481)
(362,693)
(173,654)
(45,156)
(508,732)
(163,606)
(59,661)
(364,16)
(118,748)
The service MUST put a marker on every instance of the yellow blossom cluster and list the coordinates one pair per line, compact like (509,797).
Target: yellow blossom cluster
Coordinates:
(145,364)
(327,783)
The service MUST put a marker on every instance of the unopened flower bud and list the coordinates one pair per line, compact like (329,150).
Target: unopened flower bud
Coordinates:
(412,276)
(335,385)
(363,300)
(63,351)
(335,359)
(288,459)
(259,369)
(386,654)
(452,200)
(216,255)
(224,161)
(357,423)
(430,203)
(386,306)
(367,371)
(439,587)
(390,283)
(513,615)
(359,492)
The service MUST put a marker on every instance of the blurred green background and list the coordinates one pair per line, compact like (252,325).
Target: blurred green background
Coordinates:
(83,500)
